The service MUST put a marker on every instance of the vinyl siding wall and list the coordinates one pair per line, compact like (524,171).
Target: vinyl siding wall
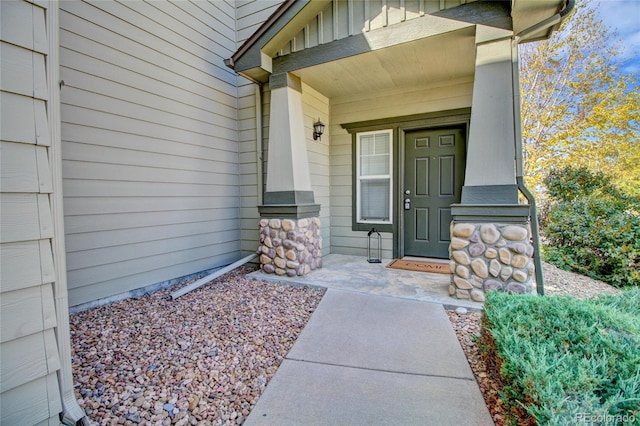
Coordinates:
(30,359)
(152,167)
(394,103)
(250,15)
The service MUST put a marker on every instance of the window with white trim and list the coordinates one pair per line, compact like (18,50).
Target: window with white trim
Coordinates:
(374,177)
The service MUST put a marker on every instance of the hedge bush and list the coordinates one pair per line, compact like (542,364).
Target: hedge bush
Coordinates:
(591,227)
(567,361)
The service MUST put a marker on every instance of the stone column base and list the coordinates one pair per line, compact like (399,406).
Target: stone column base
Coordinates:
(490,256)
(290,246)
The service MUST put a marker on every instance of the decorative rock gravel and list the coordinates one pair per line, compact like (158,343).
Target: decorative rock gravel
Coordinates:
(203,359)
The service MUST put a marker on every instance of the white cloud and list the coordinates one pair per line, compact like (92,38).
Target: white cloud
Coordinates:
(623,15)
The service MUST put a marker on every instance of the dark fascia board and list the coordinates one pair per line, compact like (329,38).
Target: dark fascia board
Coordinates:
(437,119)
(266,26)
(249,56)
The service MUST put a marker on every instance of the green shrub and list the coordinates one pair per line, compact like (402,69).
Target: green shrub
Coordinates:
(591,227)
(562,359)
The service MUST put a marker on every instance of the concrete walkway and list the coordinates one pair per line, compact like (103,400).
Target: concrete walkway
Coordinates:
(366,359)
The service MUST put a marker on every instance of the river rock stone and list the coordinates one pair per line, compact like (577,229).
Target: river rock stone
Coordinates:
(491,253)
(519,261)
(452,290)
(494,267)
(505,256)
(518,288)
(462,271)
(479,267)
(280,263)
(269,268)
(288,225)
(280,251)
(518,248)
(476,281)
(267,242)
(515,233)
(477,295)
(476,250)
(489,233)
(461,283)
(290,254)
(458,243)
(463,230)
(520,276)
(275,223)
(505,273)
(492,285)
(462,294)
(461,257)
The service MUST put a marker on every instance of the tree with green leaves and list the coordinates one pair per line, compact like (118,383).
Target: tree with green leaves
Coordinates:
(578,108)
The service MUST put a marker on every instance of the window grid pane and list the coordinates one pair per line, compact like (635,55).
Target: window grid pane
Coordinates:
(374,177)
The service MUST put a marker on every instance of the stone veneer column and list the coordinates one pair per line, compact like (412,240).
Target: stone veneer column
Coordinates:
(290,237)
(290,247)
(488,256)
(491,245)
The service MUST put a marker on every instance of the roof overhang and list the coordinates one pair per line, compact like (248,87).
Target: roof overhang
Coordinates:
(253,59)
(528,13)
(441,36)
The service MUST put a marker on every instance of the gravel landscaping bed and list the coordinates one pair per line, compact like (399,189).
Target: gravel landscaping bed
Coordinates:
(204,358)
(467,327)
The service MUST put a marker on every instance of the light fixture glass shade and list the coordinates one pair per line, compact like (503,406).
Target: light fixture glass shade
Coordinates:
(318,129)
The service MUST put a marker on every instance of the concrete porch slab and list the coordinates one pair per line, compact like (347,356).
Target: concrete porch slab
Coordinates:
(354,273)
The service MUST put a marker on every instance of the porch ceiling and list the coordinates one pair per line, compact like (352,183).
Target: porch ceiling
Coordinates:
(408,65)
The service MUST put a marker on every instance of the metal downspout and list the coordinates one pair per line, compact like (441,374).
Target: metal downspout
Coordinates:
(259,146)
(517,123)
(259,152)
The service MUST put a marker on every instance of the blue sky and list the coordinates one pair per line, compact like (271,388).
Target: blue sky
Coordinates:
(624,16)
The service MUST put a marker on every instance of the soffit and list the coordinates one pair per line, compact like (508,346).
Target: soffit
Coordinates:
(526,13)
(408,65)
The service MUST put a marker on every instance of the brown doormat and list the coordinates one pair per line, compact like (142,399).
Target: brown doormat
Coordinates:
(420,266)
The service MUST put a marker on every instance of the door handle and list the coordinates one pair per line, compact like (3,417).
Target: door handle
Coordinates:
(407,204)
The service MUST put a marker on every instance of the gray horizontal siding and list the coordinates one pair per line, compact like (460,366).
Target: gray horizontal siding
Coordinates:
(29,386)
(250,15)
(151,171)
(394,103)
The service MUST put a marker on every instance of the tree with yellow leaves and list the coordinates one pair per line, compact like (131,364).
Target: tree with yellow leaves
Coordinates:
(578,108)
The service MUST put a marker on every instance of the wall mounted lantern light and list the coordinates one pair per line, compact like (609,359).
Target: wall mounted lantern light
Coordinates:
(318,129)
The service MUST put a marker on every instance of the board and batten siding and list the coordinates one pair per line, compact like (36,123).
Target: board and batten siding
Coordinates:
(29,352)
(435,97)
(344,18)
(152,176)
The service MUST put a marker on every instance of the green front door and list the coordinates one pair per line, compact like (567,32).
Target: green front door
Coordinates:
(434,173)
